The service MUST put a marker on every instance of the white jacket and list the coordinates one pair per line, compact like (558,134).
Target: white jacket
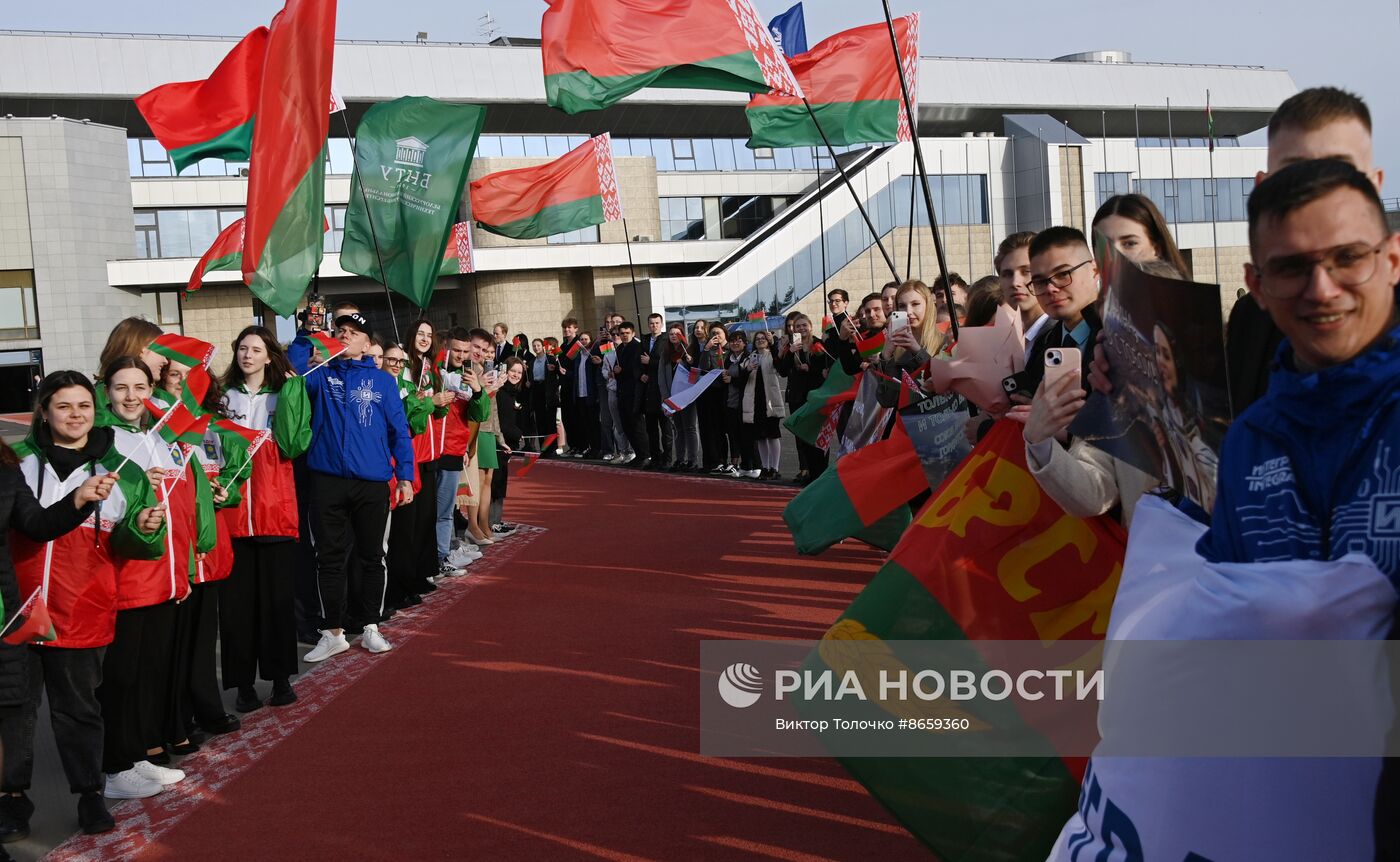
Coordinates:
(772,389)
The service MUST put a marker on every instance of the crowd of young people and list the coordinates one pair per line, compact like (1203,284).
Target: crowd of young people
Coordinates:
(320,488)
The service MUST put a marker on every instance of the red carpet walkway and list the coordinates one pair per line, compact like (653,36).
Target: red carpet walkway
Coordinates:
(547,708)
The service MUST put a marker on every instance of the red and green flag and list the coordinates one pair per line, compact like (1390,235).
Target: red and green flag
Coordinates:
(240,444)
(607,347)
(865,494)
(989,557)
(807,421)
(177,424)
(183,349)
(327,345)
(195,389)
(576,190)
(757,315)
(31,623)
(851,81)
(871,346)
(226,253)
(212,118)
(286,181)
(574,349)
(458,258)
(596,52)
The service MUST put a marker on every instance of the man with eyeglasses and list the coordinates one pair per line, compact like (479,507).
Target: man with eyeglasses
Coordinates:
(1065,281)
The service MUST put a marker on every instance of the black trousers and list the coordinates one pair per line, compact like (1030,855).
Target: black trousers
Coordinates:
(412,555)
(135,688)
(500,484)
(307,601)
(811,458)
(568,408)
(741,439)
(257,629)
(662,435)
(634,425)
(714,434)
(353,514)
(70,677)
(194,680)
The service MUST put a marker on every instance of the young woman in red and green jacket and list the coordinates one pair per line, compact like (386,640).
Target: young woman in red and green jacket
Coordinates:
(257,619)
(136,691)
(72,568)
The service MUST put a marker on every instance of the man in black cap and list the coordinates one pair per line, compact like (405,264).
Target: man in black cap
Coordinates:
(359,441)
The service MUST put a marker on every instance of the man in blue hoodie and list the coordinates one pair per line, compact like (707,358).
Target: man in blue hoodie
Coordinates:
(357,426)
(1310,470)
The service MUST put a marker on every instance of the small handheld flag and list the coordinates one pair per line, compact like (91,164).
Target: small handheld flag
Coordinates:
(605,347)
(179,425)
(871,346)
(183,349)
(574,349)
(327,346)
(31,623)
(195,390)
(757,315)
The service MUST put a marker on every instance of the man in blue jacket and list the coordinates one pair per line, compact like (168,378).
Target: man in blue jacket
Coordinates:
(1309,471)
(357,426)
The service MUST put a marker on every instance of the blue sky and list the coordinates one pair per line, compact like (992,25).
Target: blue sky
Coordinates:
(1353,45)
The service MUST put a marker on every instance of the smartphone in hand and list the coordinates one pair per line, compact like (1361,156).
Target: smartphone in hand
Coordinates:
(1061,362)
(898,320)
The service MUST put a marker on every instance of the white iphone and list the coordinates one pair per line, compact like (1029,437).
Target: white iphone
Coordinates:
(898,320)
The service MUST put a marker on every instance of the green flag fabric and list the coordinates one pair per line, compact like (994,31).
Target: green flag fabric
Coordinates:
(411,156)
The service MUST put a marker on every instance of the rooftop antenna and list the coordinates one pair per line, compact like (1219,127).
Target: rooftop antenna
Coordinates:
(486,27)
(422,37)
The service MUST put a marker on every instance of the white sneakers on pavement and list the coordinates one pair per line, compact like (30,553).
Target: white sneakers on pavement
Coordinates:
(373,641)
(328,646)
(162,775)
(130,785)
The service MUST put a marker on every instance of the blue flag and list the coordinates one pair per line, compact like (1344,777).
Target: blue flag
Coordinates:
(790,31)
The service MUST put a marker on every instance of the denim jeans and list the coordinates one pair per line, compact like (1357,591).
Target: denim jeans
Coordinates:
(446,503)
(621,445)
(70,677)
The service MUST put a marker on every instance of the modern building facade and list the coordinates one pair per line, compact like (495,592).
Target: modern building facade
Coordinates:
(94,226)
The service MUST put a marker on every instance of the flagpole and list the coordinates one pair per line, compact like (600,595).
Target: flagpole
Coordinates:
(373,235)
(627,240)
(1171,161)
(146,440)
(923,171)
(913,196)
(311,371)
(1214,191)
(821,220)
(889,261)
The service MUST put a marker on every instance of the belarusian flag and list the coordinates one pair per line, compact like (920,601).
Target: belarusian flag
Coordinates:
(412,156)
(990,557)
(183,349)
(596,52)
(195,389)
(607,347)
(458,258)
(240,444)
(286,181)
(31,623)
(806,422)
(852,83)
(326,344)
(757,315)
(856,493)
(574,349)
(178,424)
(212,118)
(871,346)
(576,190)
(226,253)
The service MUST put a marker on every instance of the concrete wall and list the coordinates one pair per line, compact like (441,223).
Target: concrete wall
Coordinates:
(78,196)
(217,314)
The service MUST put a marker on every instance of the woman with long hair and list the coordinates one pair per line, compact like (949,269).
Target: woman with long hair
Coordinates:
(65,555)
(133,337)
(743,451)
(679,360)
(763,405)
(136,671)
(257,620)
(911,347)
(1136,228)
(804,364)
(413,561)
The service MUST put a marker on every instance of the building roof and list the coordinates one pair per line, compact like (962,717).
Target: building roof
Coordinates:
(96,76)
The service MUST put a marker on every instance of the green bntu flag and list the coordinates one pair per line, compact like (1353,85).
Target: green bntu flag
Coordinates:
(411,159)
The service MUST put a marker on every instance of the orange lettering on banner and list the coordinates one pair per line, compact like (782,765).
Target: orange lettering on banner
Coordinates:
(1005,496)
(1053,625)
(1067,532)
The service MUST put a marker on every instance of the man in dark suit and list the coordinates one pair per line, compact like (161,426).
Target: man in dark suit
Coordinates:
(660,432)
(500,334)
(1065,279)
(628,370)
(568,405)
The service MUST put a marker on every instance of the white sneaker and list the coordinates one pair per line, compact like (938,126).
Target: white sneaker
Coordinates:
(130,785)
(162,775)
(373,641)
(459,560)
(328,646)
(608,457)
(628,458)
(750,474)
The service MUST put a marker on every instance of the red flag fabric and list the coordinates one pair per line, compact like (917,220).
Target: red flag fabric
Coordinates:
(212,118)
(577,190)
(31,623)
(286,181)
(183,349)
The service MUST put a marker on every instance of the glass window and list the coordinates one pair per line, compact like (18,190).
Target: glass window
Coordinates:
(587,234)
(204,228)
(641,147)
(488,146)
(802,271)
(704,154)
(783,158)
(621,147)
(133,156)
(576,141)
(162,308)
(835,246)
(335,237)
(512,146)
(228,217)
(19,318)
(743,157)
(535,146)
(803,160)
(683,218)
(763,158)
(661,151)
(174,226)
(340,156)
(556,145)
(681,148)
